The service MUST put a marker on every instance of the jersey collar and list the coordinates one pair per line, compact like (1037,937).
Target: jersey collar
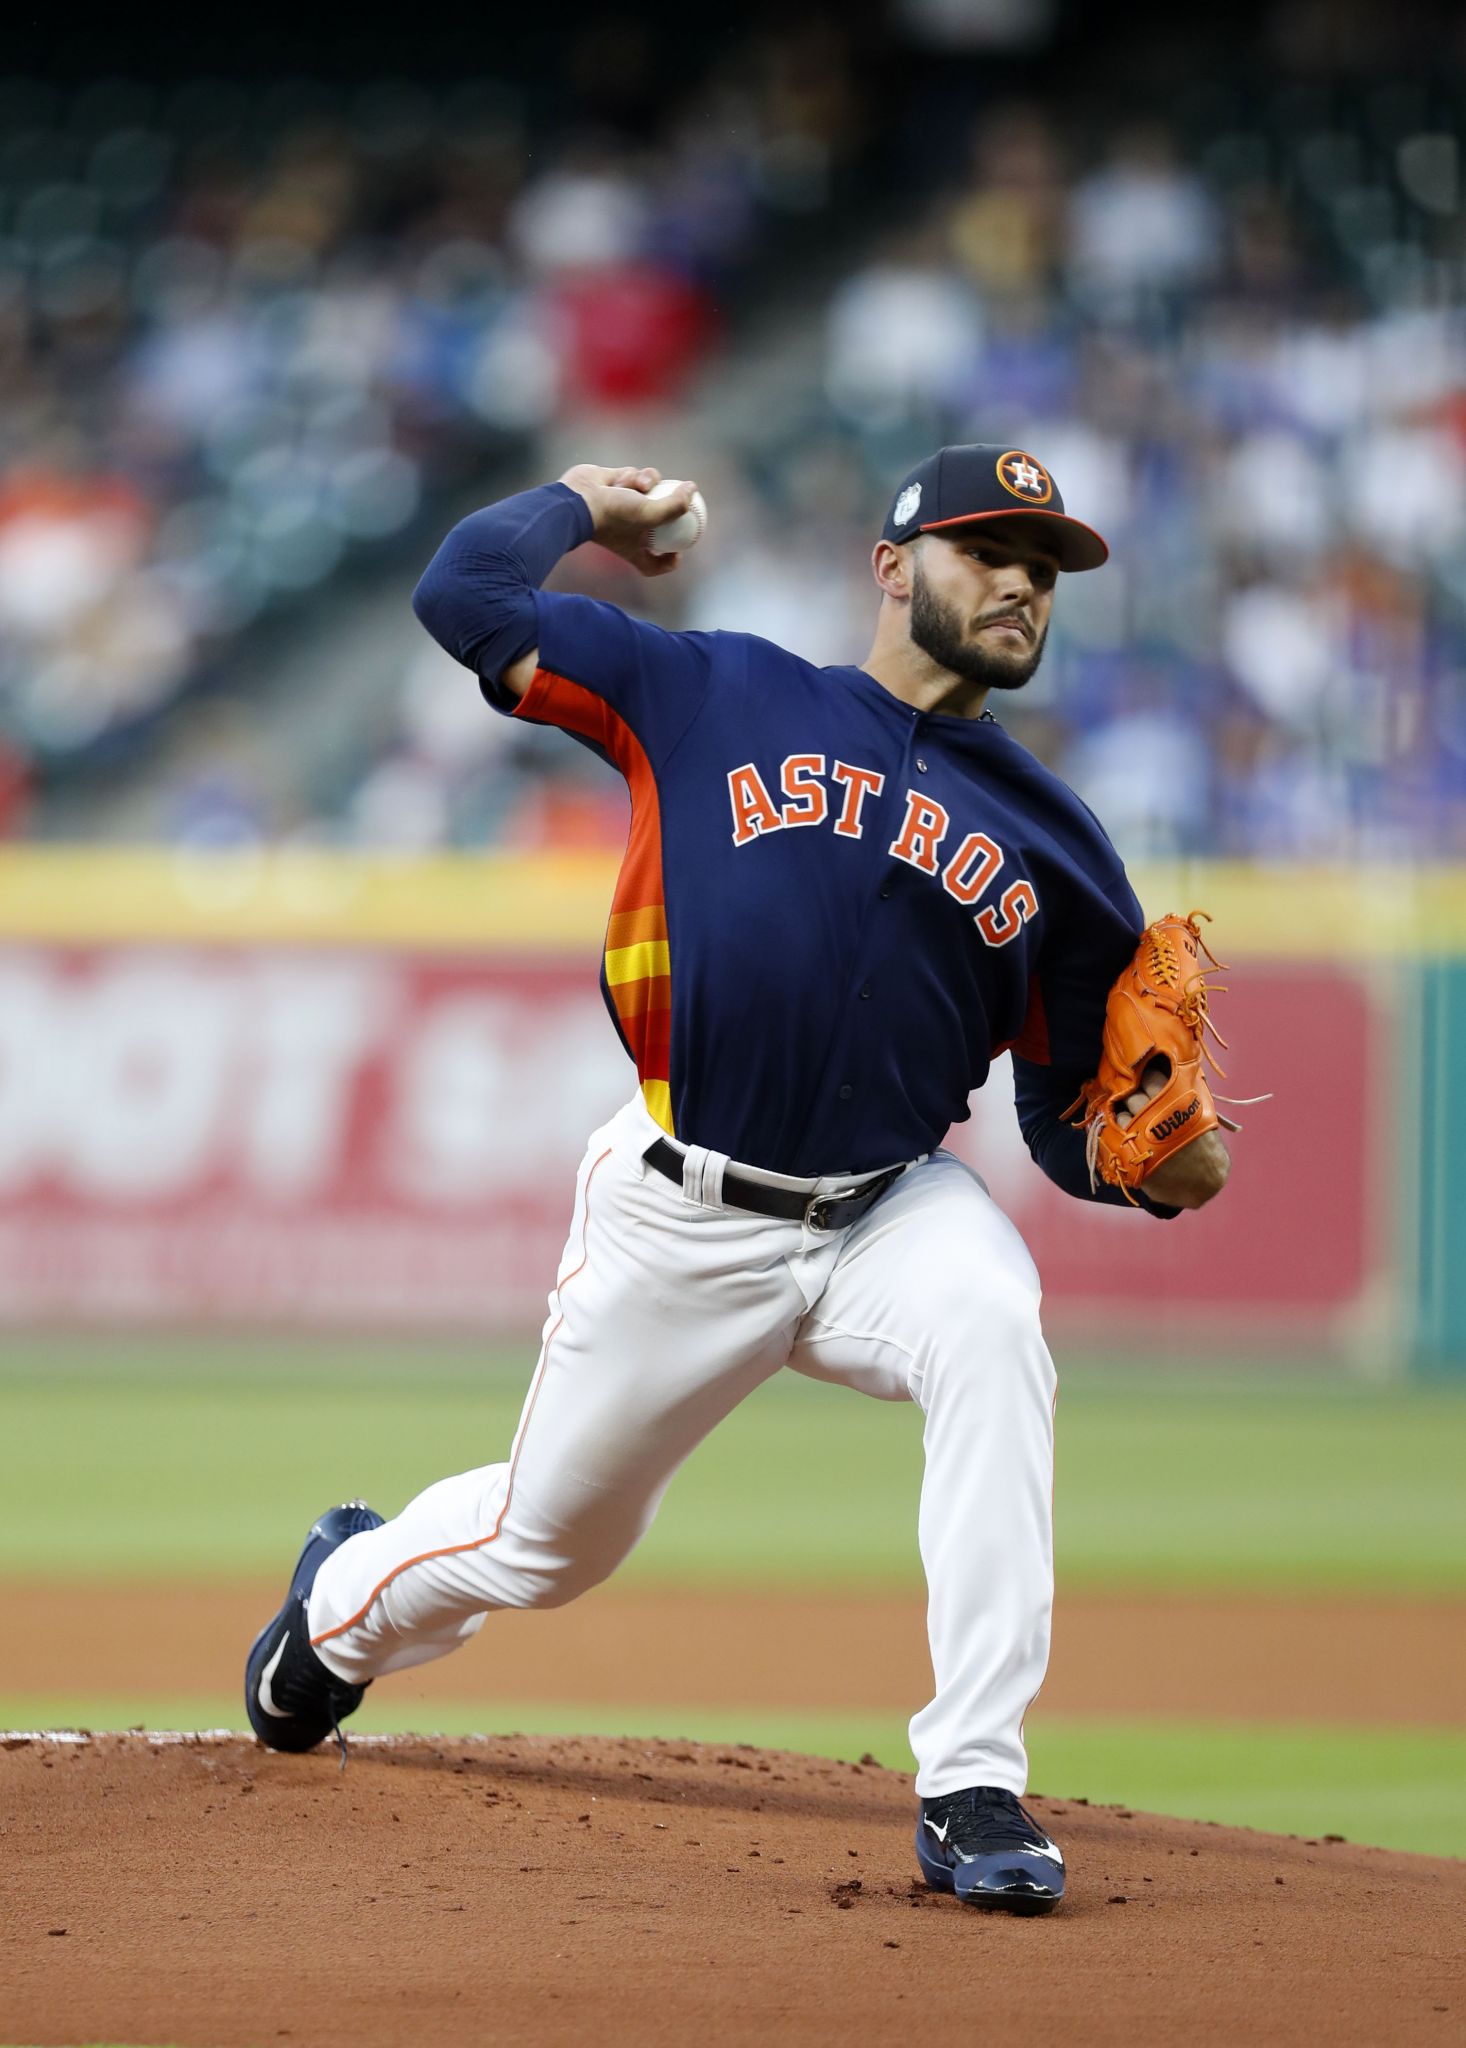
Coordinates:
(978,730)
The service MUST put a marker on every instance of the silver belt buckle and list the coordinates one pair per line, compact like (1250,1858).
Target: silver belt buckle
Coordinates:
(816,1208)
(874,1185)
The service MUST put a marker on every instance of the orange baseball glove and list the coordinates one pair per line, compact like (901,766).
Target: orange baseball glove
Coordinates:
(1157,1010)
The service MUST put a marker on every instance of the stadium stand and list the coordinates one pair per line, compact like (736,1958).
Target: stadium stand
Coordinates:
(260,345)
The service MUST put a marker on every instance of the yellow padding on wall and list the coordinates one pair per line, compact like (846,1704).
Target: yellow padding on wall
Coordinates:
(454,902)
(559,902)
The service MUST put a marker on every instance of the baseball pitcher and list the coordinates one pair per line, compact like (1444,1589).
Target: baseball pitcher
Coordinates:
(845,892)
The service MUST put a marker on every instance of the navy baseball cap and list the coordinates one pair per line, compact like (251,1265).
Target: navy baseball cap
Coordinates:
(960,486)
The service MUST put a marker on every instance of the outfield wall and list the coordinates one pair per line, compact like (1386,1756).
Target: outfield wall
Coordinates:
(328,1092)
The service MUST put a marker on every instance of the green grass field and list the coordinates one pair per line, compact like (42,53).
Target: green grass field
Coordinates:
(202,1460)
(199,1460)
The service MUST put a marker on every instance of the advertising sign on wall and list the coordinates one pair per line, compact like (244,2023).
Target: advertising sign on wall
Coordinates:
(377,1138)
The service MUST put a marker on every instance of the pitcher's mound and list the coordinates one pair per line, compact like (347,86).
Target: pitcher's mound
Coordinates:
(199,1890)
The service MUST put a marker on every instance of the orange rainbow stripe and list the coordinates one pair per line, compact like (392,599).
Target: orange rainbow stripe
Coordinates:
(638,964)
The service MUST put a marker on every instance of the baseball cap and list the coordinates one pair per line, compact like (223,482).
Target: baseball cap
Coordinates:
(980,480)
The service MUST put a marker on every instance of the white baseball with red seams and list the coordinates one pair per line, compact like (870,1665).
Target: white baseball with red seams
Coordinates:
(683,532)
(930,1297)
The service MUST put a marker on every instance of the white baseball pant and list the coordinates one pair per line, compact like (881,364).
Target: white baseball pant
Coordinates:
(669,1308)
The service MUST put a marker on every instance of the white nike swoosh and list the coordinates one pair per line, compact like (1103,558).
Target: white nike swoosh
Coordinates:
(264,1695)
(1048,1849)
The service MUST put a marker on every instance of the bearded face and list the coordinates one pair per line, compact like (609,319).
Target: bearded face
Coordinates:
(996,649)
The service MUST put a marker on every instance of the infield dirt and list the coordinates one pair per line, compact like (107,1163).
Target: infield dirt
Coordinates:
(543,1890)
(1312,1658)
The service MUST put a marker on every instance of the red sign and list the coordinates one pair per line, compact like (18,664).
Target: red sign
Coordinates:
(329,1138)
(1290,1238)
(370,1140)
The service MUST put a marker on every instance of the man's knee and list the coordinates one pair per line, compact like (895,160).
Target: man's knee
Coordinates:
(566,1580)
(560,1560)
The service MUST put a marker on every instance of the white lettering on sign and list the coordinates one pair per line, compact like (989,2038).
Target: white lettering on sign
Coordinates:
(28,1067)
(314,1024)
(456,1078)
(136,1077)
(281,1135)
(489,1084)
(144,1070)
(333,1083)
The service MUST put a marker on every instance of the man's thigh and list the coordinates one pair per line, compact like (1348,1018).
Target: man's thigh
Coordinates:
(934,1263)
(664,1318)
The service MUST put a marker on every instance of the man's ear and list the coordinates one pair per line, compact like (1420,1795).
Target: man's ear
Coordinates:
(891,567)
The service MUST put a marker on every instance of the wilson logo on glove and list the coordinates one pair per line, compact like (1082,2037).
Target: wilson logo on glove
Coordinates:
(1174,1123)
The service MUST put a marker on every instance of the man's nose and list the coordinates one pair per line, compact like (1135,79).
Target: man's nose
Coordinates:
(1015,585)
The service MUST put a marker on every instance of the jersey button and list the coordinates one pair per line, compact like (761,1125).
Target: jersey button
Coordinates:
(921,764)
(846,1091)
(865,993)
(888,892)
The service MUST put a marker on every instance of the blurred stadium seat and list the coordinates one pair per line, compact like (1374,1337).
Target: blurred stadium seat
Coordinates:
(262,342)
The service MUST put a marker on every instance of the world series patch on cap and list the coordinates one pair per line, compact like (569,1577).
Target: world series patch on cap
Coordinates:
(963,485)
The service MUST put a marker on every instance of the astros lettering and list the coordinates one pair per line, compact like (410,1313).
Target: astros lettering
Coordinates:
(966,876)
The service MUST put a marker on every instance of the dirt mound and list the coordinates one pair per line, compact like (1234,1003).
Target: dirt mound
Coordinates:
(200,1891)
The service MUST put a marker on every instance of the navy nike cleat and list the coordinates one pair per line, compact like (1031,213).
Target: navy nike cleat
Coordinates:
(292,1700)
(989,1850)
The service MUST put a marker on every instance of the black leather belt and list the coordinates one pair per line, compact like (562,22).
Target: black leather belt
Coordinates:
(821,1212)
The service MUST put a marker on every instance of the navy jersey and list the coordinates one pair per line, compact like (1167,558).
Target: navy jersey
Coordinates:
(835,910)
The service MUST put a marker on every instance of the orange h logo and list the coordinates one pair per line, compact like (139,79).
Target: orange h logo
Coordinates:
(1024,477)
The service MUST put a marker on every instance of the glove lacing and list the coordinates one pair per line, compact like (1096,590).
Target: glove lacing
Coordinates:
(1163,968)
(1193,1012)
(1192,1006)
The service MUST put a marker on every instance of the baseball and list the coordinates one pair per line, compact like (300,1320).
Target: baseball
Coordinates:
(682,533)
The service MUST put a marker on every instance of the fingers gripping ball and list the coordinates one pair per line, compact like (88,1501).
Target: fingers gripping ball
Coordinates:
(1157,1010)
(683,532)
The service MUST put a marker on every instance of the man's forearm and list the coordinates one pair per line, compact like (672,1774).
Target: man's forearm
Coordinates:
(476,596)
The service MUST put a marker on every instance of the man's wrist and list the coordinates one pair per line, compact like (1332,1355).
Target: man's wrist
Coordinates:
(585,510)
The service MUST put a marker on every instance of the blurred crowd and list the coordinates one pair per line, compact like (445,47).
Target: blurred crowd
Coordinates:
(250,339)
(1246,364)
(248,333)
